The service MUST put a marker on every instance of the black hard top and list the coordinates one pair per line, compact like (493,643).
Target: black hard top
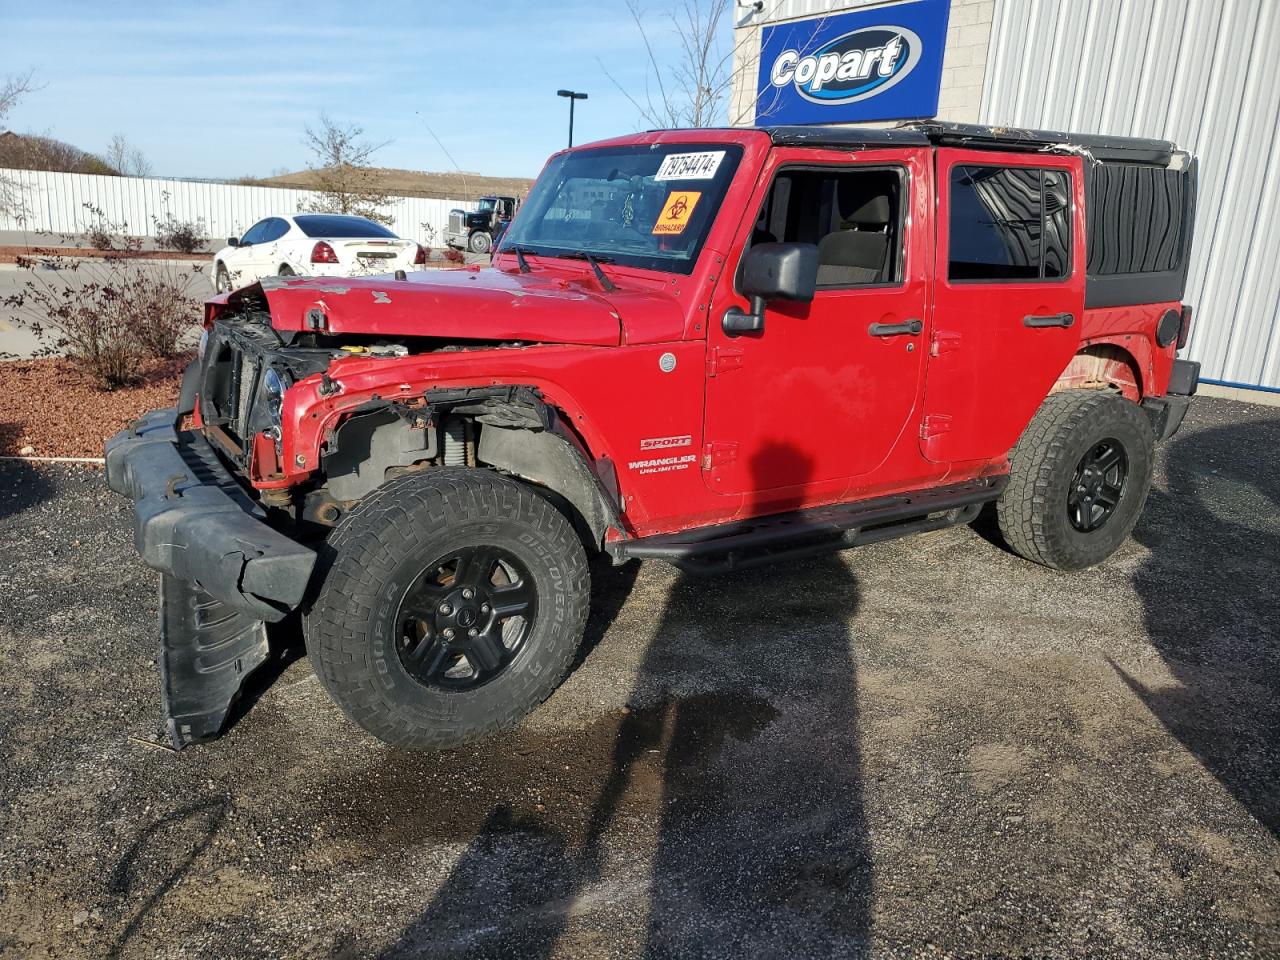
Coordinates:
(976,137)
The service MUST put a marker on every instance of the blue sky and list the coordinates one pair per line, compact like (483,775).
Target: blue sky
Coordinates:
(224,89)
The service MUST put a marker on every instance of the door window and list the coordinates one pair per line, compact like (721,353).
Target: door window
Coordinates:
(854,217)
(275,229)
(255,234)
(1009,224)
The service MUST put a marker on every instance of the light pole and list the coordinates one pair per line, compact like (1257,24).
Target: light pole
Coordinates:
(572,95)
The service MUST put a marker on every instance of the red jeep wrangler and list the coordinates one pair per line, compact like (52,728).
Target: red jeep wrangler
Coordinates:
(714,347)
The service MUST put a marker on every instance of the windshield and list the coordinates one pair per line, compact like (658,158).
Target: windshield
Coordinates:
(640,206)
(340,226)
(485,205)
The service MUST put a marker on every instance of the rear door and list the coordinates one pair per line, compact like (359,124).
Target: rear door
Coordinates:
(826,390)
(1008,300)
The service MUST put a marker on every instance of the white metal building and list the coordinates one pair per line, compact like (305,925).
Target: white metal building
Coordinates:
(1203,73)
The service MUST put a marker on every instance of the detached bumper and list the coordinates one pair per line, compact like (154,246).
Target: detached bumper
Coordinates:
(194,522)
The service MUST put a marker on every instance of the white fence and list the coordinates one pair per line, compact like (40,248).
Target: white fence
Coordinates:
(57,203)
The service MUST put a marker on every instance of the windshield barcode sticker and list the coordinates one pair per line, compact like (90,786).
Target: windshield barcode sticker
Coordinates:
(690,166)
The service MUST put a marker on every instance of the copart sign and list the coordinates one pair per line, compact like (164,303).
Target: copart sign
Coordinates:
(878,64)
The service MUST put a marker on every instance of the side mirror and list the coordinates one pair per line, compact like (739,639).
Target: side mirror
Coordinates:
(233,241)
(773,271)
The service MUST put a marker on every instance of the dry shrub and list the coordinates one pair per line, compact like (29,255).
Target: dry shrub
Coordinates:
(107,315)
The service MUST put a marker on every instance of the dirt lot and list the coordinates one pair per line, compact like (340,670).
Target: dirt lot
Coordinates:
(923,748)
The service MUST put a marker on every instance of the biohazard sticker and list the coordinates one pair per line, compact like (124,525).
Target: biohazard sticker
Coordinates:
(690,166)
(676,212)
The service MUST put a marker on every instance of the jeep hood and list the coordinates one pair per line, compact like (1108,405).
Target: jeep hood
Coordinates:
(465,304)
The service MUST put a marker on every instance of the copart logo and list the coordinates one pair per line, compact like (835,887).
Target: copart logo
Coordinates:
(851,67)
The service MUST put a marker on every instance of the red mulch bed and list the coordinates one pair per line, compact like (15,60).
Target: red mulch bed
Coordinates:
(58,411)
(11,254)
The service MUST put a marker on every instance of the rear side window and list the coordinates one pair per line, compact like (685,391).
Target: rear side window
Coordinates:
(276,228)
(1009,224)
(337,225)
(1135,219)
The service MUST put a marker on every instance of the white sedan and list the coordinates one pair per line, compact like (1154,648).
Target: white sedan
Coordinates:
(313,245)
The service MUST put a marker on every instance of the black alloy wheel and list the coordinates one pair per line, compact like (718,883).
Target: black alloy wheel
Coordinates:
(465,618)
(1097,485)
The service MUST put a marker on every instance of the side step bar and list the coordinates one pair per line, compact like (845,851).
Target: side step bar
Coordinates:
(803,533)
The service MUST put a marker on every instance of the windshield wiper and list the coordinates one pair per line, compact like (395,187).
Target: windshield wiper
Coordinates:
(519,252)
(595,262)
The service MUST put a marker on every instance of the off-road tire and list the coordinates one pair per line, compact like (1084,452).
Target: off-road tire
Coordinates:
(379,549)
(479,242)
(1033,511)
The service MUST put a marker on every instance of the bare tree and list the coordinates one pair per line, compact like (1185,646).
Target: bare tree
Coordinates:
(12,201)
(692,90)
(345,179)
(129,160)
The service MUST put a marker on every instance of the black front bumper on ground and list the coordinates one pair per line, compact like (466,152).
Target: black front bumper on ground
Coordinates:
(193,521)
(226,572)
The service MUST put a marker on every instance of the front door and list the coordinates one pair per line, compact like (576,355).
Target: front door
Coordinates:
(1008,299)
(824,392)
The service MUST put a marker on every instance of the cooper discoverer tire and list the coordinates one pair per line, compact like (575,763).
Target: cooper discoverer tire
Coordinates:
(1078,479)
(376,633)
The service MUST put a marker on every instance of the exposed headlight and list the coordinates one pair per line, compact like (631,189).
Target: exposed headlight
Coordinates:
(204,342)
(274,386)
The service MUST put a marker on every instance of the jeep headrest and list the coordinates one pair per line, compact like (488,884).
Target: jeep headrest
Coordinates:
(873,213)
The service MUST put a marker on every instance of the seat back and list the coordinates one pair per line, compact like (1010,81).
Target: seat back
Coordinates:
(858,252)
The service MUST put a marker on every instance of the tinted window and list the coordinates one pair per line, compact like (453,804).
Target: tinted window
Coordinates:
(1135,221)
(257,233)
(1009,223)
(647,206)
(854,217)
(275,229)
(339,225)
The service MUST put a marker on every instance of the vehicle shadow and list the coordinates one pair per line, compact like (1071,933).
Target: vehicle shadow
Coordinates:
(737,763)
(22,485)
(1212,608)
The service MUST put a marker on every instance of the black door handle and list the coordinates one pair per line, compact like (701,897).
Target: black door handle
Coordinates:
(911,327)
(1051,320)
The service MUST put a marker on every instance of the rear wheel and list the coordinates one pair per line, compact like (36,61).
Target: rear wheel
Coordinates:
(222,284)
(285,271)
(451,603)
(479,242)
(1078,479)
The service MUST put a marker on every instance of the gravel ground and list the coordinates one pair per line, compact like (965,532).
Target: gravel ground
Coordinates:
(922,748)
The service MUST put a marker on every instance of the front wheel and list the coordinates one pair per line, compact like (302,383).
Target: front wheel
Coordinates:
(451,603)
(223,282)
(285,271)
(1078,479)
(479,242)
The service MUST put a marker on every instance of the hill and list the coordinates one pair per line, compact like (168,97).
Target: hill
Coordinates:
(417,183)
(27,151)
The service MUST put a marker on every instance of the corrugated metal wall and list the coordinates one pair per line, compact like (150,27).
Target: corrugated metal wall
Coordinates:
(1204,73)
(55,202)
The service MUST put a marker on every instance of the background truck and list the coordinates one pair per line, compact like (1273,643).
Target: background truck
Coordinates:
(720,348)
(477,230)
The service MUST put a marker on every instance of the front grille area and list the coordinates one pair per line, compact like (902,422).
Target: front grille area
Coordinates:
(455,221)
(230,384)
